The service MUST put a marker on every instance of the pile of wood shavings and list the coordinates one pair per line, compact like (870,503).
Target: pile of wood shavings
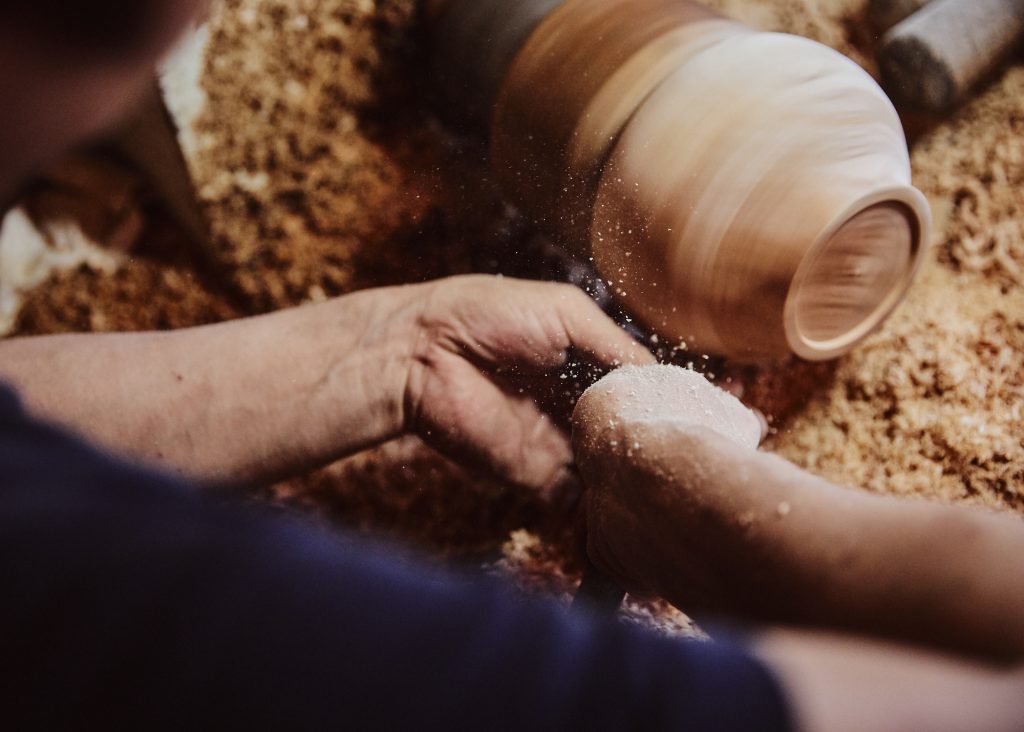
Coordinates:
(291,181)
(975,166)
(150,275)
(322,170)
(540,568)
(319,165)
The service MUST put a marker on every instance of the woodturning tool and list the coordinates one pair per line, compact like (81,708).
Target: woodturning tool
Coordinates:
(746,192)
(935,57)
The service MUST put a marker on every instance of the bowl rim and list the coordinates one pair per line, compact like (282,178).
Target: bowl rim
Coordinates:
(915,203)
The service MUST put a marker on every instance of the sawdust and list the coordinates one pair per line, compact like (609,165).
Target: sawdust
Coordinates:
(974,168)
(931,406)
(322,170)
(333,181)
(539,567)
(670,395)
(115,260)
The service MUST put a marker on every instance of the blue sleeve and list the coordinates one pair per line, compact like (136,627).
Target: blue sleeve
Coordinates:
(131,601)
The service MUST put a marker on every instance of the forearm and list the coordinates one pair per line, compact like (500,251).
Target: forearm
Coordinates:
(942,575)
(248,400)
(848,685)
(827,556)
(719,528)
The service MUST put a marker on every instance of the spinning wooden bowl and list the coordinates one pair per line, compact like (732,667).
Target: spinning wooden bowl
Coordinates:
(746,192)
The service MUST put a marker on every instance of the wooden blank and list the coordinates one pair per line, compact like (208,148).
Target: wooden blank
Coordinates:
(746,192)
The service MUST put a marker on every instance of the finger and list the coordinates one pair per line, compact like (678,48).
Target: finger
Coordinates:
(596,335)
(504,434)
(523,327)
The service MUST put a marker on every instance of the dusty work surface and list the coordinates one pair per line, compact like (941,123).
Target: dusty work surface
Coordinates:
(323,170)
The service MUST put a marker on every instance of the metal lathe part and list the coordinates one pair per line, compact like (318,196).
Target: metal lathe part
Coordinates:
(474,43)
(936,57)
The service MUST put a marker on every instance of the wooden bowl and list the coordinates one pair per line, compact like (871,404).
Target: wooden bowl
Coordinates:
(759,203)
(746,192)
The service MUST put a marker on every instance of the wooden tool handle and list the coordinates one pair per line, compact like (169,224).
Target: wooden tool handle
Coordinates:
(934,57)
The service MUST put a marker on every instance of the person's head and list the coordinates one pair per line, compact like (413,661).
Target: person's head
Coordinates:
(69,69)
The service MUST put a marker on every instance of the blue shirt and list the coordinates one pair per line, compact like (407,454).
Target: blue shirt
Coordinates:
(128,599)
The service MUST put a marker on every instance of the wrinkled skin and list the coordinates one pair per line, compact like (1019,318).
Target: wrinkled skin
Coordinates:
(482,346)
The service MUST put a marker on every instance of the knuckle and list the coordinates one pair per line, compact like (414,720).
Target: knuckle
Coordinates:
(574,297)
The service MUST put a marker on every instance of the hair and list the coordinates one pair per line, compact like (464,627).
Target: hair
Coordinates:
(102,29)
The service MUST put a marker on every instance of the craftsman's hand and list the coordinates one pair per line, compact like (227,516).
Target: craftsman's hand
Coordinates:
(480,343)
(680,503)
(657,448)
(262,399)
